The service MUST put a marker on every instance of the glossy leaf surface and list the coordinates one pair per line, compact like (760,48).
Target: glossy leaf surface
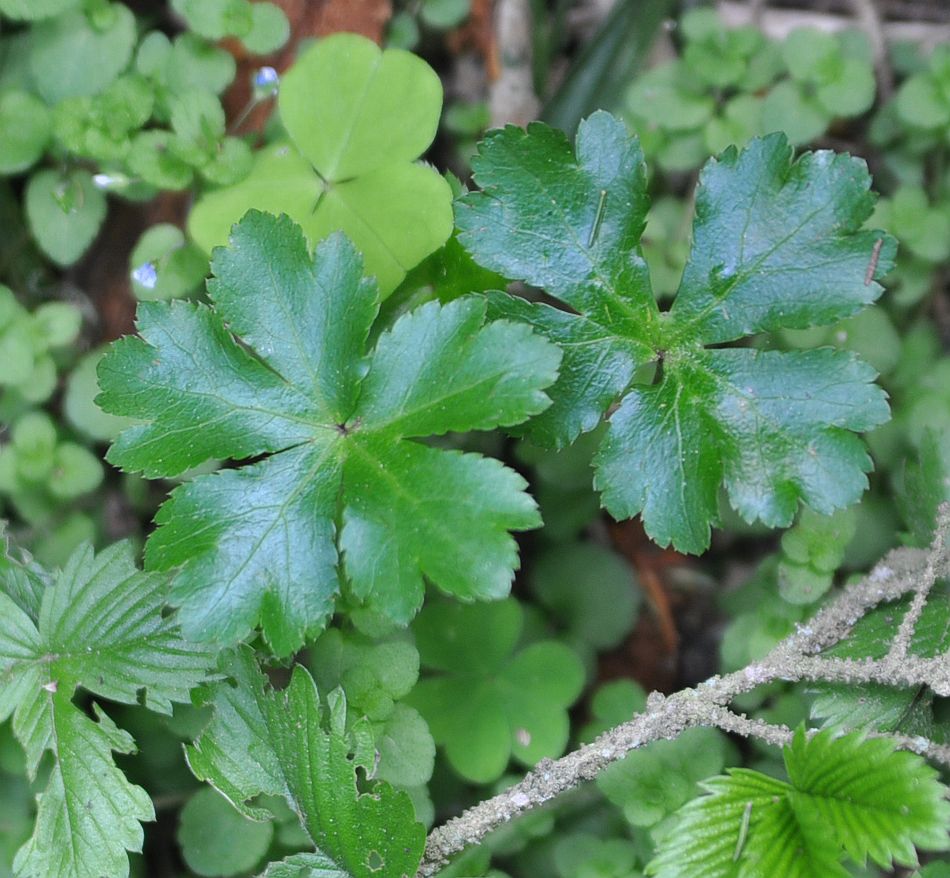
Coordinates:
(279,367)
(776,243)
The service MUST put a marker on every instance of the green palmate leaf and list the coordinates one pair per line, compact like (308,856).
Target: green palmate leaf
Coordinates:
(651,783)
(544,233)
(490,703)
(97,625)
(358,119)
(776,243)
(846,796)
(281,743)
(258,543)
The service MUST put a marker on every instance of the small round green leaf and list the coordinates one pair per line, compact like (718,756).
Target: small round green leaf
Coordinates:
(56,324)
(180,267)
(231,162)
(16,357)
(215,19)
(352,108)
(652,782)
(923,229)
(76,471)
(406,749)
(851,92)
(584,855)
(806,50)
(197,64)
(218,841)
(403,32)
(740,121)
(24,130)
(444,14)
(73,55)
(32,10)
(667,97)
(197,118)
(922,104)
(589,589)
(155,159)
(79,405)
(269,29)
(54,548)
(787,108)
(64,213)
(153,54)
(613,703)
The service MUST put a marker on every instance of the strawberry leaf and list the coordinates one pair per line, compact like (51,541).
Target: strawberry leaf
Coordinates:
(287,743)
(846,796)
(97,625)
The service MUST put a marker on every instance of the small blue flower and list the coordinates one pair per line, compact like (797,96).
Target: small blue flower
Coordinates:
(105,182)
(146,275)
(266,80)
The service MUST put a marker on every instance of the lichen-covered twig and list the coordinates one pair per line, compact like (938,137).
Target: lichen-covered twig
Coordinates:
(798,657)
(935,561)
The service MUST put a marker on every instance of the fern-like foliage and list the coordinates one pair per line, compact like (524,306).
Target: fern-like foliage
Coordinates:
(845,796)
(98,625)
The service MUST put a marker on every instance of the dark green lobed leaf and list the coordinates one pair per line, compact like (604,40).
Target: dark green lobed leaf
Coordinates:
(296,384)
(573,229)
(776,243)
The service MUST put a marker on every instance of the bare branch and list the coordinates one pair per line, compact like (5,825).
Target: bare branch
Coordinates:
(938,554)
(795,658)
